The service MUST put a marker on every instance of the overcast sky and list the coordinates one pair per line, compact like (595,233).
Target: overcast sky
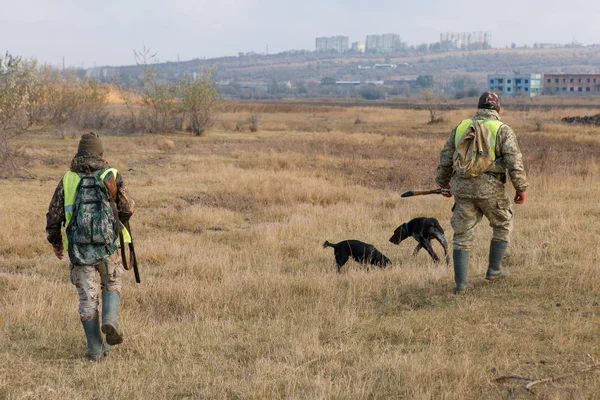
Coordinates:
(105,32)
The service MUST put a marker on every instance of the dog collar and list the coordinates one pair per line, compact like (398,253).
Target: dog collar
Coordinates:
(406,227)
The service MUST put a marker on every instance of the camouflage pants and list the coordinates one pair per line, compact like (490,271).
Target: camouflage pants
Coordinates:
(91,282)
(467,213)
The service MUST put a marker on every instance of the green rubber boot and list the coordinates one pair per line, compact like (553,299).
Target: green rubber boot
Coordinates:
(497,250)
(96,348)
(461,270)
(110,320)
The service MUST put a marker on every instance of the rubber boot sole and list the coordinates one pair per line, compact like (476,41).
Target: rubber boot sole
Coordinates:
(113,336)
(466,289)
(502,275)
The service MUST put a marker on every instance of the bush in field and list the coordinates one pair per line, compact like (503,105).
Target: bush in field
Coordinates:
(199,99)
(371,92)
(73,105)
(432,103)
(254,122)
(539,121)
(17,83)
(160,111)
(93,110)
(166,105)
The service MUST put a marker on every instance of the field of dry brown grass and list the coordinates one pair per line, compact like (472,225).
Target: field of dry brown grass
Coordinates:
(239,300)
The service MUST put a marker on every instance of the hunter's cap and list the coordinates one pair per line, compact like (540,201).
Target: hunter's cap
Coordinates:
(90,142)
(490,101)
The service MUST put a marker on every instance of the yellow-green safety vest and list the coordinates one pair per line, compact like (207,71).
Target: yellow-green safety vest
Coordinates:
(70,182)
(492,124)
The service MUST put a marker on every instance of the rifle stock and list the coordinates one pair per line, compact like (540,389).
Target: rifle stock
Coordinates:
(132,257)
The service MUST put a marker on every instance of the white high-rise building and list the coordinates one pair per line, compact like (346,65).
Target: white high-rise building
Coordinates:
(338,44)
(372,43)
(389,42)
(467,39)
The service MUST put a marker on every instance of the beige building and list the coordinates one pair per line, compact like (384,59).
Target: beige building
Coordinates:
(571,84)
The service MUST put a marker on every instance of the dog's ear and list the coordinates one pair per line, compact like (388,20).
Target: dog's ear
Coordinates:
(396,236)
(403,232)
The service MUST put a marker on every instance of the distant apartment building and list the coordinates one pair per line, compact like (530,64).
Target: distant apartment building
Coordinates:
(382,43)
(389,42)
(516,84)
(372,43)
(461,40)
(321,44)
(337,44)
(571,84)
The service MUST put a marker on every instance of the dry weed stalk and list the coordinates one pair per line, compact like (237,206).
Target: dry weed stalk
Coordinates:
(533,382)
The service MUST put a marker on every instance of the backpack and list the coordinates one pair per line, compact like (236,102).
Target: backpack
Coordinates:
(474,150)
(93,230)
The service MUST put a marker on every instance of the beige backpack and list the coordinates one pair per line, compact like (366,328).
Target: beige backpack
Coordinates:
(475,147)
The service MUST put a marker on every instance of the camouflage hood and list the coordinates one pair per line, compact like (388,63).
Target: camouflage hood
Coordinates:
(87,162)
(484,113)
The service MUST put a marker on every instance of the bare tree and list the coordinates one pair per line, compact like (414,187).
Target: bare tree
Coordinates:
(17,79)
(539,121)
(200,98)
(65,102)
(432,103)
(39,94)
(158,95)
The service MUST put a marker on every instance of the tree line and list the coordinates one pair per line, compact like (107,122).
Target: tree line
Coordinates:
(36,96)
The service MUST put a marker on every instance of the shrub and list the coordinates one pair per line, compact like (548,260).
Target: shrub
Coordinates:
(254,122)
(199,99)
(372,92)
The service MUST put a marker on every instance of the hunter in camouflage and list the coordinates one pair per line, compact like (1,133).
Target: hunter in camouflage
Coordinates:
(484,194)
(92,281)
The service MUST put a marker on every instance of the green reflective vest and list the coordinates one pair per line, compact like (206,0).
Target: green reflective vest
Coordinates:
(492,124)
(70,182)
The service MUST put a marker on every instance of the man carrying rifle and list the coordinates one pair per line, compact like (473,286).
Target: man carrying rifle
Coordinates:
(482,192)
(92,202)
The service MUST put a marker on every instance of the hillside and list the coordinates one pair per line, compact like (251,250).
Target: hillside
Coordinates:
(308,66)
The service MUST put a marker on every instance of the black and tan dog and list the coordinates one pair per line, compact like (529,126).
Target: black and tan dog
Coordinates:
(423,230)
(361,252)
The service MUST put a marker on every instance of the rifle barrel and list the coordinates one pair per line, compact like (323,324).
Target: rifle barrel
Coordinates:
(411,193)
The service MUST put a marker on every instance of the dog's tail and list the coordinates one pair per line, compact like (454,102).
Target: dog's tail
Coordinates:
(327,244)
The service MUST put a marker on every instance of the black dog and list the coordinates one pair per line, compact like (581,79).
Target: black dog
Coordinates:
(361,252)
(422,230)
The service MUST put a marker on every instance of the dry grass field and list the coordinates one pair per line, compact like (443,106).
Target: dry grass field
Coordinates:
(239,299)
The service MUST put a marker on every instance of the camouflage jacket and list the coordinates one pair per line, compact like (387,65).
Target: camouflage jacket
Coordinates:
(491,183)
(83,163)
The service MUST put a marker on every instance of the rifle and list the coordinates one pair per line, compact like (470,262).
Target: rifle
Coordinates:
(411,193)
(132,257)
(111,184)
